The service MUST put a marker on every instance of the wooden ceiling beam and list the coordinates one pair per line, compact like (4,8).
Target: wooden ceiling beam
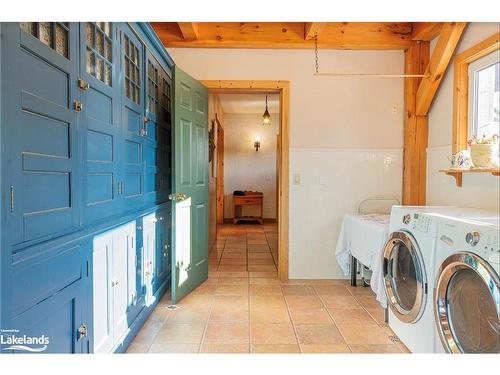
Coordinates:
(334,35)
(312,28)
(189,30)
(443,52)
(426,30)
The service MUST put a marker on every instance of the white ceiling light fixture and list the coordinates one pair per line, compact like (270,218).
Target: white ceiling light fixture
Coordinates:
(373,75)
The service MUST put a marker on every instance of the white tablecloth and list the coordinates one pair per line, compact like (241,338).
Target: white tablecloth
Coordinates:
(364,237)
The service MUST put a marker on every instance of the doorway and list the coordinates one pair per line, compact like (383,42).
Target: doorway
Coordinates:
(274,235)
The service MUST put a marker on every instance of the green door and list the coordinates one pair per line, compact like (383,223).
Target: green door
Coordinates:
(190,188)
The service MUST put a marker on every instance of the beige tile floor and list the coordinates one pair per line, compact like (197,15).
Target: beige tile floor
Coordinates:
(244,308)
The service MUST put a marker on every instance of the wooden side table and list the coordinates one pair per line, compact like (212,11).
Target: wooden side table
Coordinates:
(251,198)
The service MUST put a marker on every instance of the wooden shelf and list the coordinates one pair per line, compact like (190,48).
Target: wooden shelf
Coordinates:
(457,173)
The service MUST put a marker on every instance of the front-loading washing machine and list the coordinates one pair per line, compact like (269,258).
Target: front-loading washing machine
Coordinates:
(407,260)
(466,299)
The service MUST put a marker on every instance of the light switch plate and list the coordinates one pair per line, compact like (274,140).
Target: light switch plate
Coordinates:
(322,180)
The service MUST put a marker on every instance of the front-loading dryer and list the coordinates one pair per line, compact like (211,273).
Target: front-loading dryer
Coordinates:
(466,300)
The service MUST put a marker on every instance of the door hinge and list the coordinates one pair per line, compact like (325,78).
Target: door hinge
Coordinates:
(12,199)
(83,85)
(77,105)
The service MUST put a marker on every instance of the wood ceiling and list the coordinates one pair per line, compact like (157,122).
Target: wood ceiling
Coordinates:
(334,35)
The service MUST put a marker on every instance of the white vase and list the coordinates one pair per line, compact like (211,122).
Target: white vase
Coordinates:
(484,156)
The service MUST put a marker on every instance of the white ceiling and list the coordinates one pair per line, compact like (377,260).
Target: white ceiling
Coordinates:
(249,103)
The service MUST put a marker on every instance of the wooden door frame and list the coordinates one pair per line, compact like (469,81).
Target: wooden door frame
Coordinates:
(219,190)
(283,88)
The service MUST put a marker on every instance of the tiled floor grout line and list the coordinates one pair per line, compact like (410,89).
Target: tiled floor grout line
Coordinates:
(331,317)
(270,250)
(292,322)
(202,341)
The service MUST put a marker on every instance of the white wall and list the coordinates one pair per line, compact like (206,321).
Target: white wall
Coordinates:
(342,128)
(478,190)
(245,168)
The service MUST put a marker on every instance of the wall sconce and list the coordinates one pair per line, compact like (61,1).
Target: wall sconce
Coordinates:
(256,144)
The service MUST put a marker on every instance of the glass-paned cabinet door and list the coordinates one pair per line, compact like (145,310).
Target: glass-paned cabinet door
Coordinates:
(99,51)
(53,34)
(132,65)
(152,91)
(100,89)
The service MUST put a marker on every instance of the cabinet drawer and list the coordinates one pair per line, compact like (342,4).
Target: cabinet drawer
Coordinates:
(240,201)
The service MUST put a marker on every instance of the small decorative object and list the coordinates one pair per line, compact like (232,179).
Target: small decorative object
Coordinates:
(256,144)
(484,151)
(211,142)
(461,160)
(266,117)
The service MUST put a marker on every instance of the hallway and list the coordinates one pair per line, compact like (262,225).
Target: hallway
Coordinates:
(246,248)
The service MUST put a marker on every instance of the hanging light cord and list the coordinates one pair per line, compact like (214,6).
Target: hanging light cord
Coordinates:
(379,75)
(316,52)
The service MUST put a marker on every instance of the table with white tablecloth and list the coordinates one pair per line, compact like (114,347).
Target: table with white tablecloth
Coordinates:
(364,237)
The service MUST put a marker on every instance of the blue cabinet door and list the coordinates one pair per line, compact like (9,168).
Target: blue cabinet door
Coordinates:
(59,319)
(165,138)
(153,87)
(133,120)
(100,89)
(41,62)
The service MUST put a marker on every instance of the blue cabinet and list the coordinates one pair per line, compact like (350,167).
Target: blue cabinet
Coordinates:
(49,297)
(99,84)
(86,148)
(40,130)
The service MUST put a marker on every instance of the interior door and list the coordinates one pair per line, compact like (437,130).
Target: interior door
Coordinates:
(190,193)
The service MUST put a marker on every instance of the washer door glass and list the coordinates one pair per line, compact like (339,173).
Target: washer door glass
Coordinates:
(472,313)
(403,274)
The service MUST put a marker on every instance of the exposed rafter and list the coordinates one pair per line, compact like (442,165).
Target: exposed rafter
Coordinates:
(426,30)
(443,52)
(312,28)
(335,35)
(189,30)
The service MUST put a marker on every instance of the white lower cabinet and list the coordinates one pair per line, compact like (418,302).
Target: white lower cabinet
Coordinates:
(149,246)
(114,284)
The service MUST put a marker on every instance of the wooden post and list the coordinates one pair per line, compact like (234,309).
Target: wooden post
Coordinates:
(415,129)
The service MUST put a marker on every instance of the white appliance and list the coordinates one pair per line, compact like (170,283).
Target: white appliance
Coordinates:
(408,258)
(466,299)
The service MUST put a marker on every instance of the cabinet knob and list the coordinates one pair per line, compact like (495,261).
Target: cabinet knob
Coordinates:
(83,85)
(114,283)
(82,331)
(77,106)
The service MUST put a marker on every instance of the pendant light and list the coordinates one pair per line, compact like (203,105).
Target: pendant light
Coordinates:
(266,117)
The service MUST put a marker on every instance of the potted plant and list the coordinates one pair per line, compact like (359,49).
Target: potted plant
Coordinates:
(484,151)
